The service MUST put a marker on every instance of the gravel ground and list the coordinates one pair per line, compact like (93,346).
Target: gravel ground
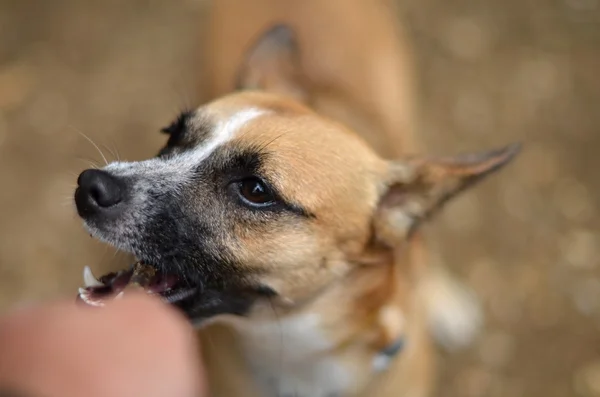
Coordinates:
(491,72)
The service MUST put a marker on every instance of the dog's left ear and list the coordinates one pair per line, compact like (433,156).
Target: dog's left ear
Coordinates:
(418,187)
(272,64)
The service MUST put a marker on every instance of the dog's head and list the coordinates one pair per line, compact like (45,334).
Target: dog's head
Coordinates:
(256,197)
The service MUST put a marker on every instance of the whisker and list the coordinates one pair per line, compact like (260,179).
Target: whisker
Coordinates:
(116,150)
(93,144)
(110,151)
(66,201)
(264,146)
(73,174)
(89,163)
(183,101)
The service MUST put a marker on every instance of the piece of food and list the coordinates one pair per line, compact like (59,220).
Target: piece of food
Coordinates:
(142,276)
(97,292)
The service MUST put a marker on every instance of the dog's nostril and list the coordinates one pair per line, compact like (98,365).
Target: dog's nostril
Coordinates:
(99,188)
(105,196)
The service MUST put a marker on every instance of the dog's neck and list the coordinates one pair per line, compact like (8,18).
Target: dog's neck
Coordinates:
(333,345)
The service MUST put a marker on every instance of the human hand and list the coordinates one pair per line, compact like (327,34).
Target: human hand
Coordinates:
(134,347)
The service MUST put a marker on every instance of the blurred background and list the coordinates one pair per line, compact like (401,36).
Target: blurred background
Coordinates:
(491,72)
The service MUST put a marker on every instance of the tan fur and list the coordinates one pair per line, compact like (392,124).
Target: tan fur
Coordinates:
(356,265)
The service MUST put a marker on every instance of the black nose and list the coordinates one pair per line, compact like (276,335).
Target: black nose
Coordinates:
(97,191)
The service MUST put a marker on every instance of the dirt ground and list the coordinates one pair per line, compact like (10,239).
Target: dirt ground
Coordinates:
(491,72)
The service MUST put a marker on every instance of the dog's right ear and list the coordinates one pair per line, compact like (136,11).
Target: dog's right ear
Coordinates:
(272,64)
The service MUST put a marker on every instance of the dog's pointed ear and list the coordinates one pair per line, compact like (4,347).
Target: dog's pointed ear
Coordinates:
(418,187)
(273,64)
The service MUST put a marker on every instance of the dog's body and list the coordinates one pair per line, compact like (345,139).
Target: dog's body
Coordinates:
(293,230)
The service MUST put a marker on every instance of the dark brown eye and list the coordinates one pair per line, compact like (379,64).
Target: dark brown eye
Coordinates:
(254,192)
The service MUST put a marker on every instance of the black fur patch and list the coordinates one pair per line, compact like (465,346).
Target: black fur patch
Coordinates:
(188,130)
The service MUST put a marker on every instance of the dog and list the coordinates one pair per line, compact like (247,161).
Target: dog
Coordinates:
(283,216)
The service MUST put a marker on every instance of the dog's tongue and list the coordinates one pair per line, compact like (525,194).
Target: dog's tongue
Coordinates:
(140,276)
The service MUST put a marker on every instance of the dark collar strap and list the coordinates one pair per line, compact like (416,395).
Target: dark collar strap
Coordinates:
(390,351)
(386,355)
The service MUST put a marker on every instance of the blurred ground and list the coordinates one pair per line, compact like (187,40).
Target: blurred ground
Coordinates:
(491,72)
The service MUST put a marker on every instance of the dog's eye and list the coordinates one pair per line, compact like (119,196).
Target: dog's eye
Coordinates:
(255,192)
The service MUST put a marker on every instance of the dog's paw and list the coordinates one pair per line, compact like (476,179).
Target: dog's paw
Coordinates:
(454,312)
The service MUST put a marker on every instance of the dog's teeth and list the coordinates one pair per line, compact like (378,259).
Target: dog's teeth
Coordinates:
(92,302)
(85,297)
(89,279)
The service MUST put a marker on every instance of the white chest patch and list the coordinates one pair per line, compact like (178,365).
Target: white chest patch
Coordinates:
(290,358)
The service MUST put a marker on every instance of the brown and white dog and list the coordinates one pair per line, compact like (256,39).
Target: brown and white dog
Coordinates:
(283,219)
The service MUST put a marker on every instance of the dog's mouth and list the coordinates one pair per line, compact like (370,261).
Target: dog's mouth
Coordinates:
(198,302)
(141,276)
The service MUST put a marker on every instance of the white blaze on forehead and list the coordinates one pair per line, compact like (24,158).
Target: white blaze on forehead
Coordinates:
(227,130)
(181,164)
